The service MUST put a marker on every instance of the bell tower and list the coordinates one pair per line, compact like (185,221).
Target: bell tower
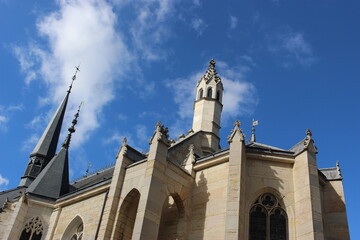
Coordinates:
(208,107)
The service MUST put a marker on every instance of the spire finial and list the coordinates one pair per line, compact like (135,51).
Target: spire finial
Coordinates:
(254,123)
(71,129)
(211,72)
(237,124)
(74,77)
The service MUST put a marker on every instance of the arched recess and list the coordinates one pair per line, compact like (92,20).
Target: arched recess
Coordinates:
(33,229)
(201,93)
(268,219)
(209,92)
(172,222)
(74,230)
(218,95)
(125,225)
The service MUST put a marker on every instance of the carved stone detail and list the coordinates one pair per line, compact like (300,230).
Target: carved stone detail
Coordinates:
(236,130)
(34,226)
(161,133)
(211,72)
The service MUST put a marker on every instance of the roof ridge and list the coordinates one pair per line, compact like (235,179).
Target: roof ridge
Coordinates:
(106,167)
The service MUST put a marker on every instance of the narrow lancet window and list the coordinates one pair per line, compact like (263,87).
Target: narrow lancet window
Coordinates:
(209,93)
(218,95)
(201,93)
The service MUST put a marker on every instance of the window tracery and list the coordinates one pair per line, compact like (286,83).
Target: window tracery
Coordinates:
(33,229)
(75,230)
(268,220)
(79,233)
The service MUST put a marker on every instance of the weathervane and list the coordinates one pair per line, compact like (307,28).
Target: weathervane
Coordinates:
(74,77)
(88,169)
(253,137)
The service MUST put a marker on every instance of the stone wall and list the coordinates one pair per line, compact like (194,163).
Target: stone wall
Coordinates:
(208,210)
(88,210)
(334,211)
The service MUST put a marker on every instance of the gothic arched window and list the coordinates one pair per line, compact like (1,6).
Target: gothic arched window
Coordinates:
(268,220)
(209,92)
(33,229)
(74,230)
(201,93)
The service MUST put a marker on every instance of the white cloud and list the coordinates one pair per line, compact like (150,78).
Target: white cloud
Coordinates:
(116,138)
(3,182)
(3,121)
(80,31)
(27,61)
(198,25)
(296,45)
(233,22)
(122,117)
(141,133)
(146,114)
(30,143)
(5,114)
(36,123)
(239,95)
(197,2)
(150,28)
(291,46)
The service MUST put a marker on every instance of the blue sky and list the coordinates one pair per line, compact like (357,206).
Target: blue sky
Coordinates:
(291,65)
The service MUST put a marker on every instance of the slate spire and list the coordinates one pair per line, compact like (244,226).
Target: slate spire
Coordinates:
(45,149)
(53,180)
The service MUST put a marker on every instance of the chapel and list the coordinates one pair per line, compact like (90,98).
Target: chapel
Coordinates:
(184,188)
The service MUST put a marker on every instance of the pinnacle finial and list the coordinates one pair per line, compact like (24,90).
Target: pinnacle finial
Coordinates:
(308,132)
(71,129)
(74,77)
(211,72)
(124,142)
(237,124)
(236,130)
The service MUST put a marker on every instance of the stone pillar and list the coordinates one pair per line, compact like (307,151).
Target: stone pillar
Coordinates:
(17,220)
(112,202)
(235,212)
(54,218)
(152,197)
(308,210)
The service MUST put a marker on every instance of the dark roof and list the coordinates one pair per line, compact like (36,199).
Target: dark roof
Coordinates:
(95,178)
(48,142)
(267,148)
(53,180)
(104,173)
(299,147)
(134,154)
(331,173)
(11,195)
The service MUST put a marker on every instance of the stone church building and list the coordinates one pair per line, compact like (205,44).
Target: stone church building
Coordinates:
(190,188)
